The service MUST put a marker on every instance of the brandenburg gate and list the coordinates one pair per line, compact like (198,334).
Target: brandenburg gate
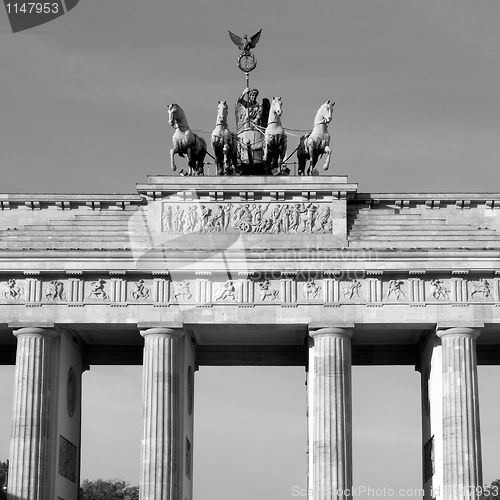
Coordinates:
(242,270)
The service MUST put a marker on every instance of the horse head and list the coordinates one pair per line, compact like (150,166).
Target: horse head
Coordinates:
(176,115)
(277,105)
(222,113)
(325,112)
(172,112)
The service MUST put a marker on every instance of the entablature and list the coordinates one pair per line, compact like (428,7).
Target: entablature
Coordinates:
(246,287)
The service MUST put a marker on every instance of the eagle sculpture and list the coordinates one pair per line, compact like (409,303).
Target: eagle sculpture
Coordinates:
(245,44)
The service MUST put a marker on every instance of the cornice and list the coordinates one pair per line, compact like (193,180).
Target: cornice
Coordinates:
(423,197)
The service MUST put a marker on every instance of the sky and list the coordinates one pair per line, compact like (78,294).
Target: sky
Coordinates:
(83,109)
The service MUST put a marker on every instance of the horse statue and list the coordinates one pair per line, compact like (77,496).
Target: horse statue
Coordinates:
(186,142)
(274,139)
(224,143)
(315,144)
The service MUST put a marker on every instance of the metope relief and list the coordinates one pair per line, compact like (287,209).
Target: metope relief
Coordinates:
(266,291)
(311,290)
(439,291)
(97,290)
(117,289)
(181,291)
(12,290)
(225,291)
(287,218)
(395,290)
(353,290)
(141,292)
(55,290)
(481,289)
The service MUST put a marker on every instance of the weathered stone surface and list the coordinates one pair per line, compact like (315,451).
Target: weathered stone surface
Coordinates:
(30,468)
(160,444)
(330,407)
(461,432)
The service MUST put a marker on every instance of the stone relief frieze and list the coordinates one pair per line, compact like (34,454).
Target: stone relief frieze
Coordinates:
(181,290)
(97,290)
(243,290)
(225,291)
(141,292)
(55,291)
(482,288)
(353,291)
(266,292)
(311,289)
(439,290)
(247,218)
(395,291)
(12,291)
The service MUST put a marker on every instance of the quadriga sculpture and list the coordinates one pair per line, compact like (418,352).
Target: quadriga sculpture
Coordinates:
(224,143)
(317,143)
(186,142)
(274,139)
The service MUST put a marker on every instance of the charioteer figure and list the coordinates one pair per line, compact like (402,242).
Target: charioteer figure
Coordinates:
(251,116)
(251,122)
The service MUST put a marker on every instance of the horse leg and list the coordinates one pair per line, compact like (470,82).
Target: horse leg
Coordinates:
(191,161)
(200,161)
(172,162)
(267,139)
(282,153)
(328,152)
(231,159)
(220,163)
(301,160)
(302,155)
(269,164)
(313,159)
(195,164)
(219,160)
(226,159)
(216,151)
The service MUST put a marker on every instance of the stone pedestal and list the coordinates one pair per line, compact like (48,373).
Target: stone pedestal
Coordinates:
(29,462)
(330,408)
(161,450)
(462,468)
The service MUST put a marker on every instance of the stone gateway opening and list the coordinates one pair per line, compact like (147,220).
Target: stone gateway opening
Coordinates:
(211,272)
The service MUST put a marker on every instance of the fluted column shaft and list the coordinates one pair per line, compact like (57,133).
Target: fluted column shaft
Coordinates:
(30,445)
(332,414)
(461,432)
(160,445)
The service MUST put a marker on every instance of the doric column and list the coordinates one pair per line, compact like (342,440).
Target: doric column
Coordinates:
(30,443)
(160,445)
(461,433)
(331,444)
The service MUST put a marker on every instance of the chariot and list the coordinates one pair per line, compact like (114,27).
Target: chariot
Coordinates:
(258,144)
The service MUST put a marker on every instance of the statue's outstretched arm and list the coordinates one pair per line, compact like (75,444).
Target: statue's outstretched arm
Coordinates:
(243,99)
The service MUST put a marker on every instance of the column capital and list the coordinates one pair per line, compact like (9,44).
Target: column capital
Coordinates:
(160,332)
(49,333)
(331,332)
(462,332)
